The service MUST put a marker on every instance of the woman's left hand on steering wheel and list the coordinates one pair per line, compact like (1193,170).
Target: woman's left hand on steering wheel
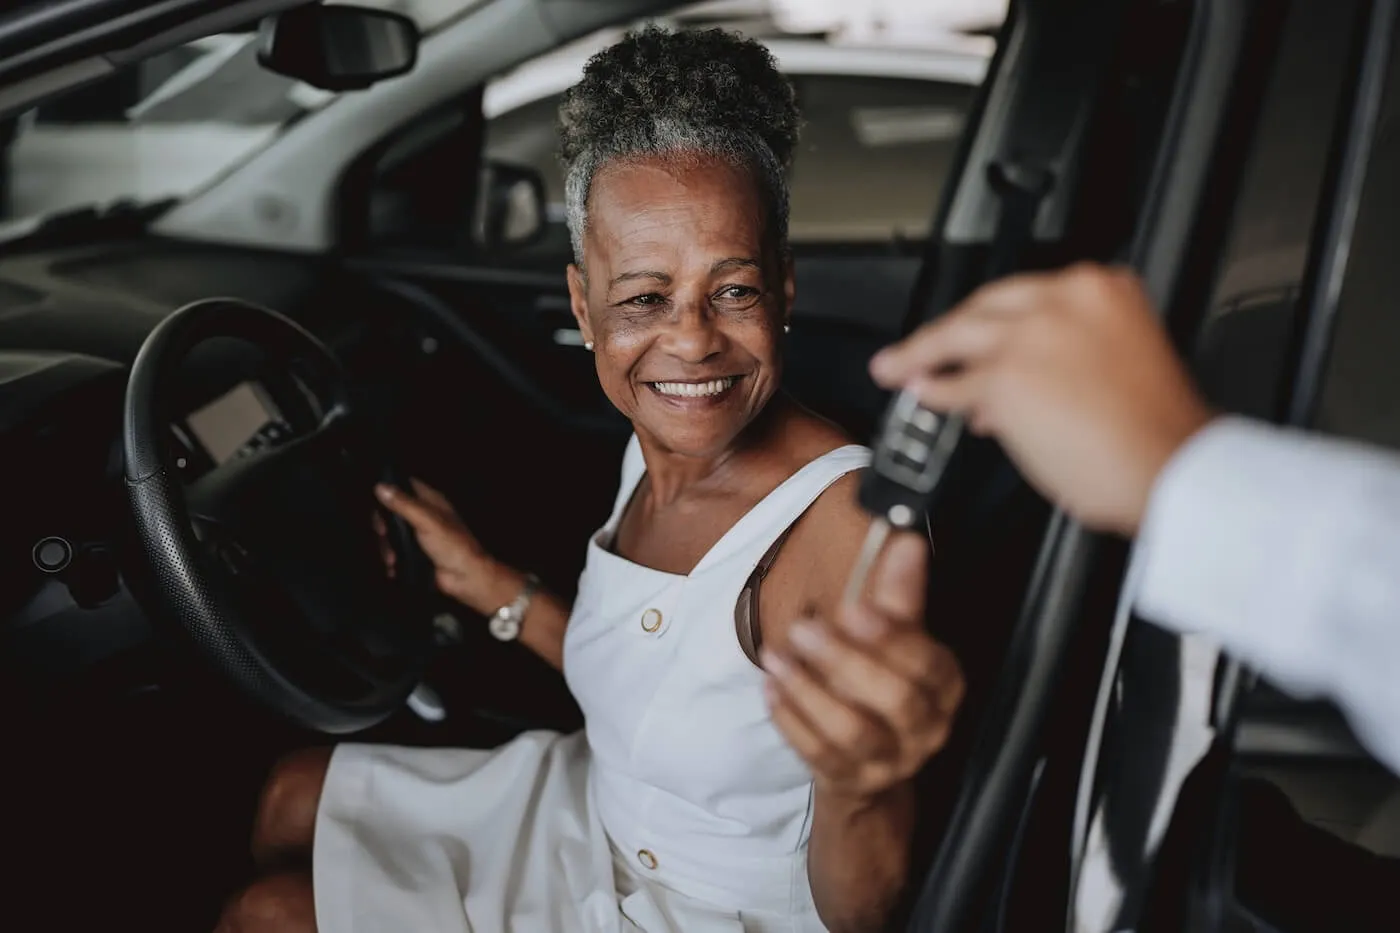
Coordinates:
(869,697)
(464,570)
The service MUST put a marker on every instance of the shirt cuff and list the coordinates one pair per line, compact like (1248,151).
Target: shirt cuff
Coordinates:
(1232,545)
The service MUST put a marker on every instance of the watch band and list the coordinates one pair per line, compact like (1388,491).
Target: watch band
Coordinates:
(506,621)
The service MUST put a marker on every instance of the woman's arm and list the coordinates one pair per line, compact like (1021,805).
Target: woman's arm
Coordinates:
(542,630)
(858,856)
(866,696)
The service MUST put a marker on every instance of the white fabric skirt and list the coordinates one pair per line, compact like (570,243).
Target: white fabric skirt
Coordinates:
(429,840)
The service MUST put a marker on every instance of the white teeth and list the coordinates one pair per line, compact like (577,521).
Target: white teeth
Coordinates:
(695,389)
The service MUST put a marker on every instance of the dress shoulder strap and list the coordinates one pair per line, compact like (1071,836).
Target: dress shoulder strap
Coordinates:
(755,532)
(790,502)
(633,468)
(746,614)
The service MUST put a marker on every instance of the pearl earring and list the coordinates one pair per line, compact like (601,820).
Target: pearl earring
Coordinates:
(787,328)
(588,345)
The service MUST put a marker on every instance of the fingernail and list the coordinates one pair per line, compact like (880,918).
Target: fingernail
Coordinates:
(880,363)
(806,636)
(384,492)
(773,663)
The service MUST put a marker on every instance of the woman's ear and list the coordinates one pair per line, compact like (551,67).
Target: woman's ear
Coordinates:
(578,303)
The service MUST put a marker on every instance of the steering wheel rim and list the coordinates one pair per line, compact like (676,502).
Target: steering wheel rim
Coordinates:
(335,664)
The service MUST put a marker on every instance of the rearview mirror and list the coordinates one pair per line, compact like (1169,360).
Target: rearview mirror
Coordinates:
(338,48)
(510,207)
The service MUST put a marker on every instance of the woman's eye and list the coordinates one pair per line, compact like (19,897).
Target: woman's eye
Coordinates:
(645,301)
(738,293)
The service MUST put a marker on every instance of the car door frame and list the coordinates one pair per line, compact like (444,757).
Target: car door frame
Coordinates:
(1081,575)
(1187,707)
(1209,901)
(74,42)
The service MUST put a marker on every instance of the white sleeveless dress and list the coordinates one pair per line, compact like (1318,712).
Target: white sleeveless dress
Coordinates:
(679,807)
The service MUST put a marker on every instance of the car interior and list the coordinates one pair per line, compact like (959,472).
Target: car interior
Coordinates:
(145,396)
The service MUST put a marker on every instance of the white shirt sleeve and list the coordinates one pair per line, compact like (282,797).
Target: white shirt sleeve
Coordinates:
(1285,548)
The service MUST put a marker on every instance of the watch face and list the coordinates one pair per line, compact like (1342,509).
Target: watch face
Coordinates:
(504,627)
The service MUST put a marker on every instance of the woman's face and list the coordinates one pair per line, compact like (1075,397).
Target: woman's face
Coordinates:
(684,295)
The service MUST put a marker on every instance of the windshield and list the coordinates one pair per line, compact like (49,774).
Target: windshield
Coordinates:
(164,127)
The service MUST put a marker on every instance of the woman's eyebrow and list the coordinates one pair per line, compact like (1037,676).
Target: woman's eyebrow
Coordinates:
(725,265)
(626,277)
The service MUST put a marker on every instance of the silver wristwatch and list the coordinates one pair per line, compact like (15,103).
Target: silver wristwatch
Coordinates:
(505,623)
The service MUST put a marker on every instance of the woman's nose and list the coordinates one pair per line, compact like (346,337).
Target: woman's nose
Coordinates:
(694,333)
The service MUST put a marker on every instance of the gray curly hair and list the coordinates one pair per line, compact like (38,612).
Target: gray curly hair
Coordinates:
(693,92)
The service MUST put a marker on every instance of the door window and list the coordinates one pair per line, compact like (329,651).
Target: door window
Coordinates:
(873,156)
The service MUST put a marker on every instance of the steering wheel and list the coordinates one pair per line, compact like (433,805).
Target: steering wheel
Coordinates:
(269,561)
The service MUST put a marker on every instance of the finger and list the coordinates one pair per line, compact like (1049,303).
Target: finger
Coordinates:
(926,664)
(387,557)
(899,579)
(849,728)
(956,342)
(963,391)
(430,496)
(952,683)
(969,331)
(907,650)
(411,510)
(892,680)
(811,746)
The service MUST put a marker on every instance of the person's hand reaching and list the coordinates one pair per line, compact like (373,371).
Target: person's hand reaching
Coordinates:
(463,569)
(1072,372)
(866,698)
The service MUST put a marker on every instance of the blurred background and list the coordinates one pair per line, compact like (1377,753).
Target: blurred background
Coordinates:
(175,123)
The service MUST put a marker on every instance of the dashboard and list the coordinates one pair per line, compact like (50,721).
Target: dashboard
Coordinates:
(70,570)
(70,326)
(239,422)
(63,602)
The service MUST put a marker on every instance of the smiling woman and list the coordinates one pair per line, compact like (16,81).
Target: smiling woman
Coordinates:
(675,157)
(715,786)
(684,298)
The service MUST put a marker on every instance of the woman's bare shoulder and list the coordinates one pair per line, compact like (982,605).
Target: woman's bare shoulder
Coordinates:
(802,436)
(835,513)
(835,521)
(826,539)
(810,573)
(809,576)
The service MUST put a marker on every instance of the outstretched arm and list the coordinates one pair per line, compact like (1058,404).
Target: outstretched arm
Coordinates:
(1279,544)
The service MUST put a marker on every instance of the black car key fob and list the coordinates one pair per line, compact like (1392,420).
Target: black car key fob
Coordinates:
(912,450)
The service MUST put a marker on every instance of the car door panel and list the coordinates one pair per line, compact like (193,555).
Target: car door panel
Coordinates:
(517,327)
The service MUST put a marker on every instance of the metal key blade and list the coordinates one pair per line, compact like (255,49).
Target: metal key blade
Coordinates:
(865,561)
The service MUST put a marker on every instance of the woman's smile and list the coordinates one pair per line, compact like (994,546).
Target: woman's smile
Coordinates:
(695,393)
